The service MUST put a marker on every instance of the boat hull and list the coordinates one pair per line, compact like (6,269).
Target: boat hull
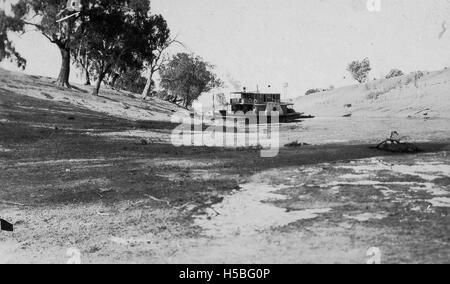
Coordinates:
(287,118)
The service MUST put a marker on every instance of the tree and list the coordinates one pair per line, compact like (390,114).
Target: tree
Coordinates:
(221,100)
(106,30)
(185,77)
(81,57)
(43,16)
(107,36)
(156,56)
(119,36)
(394,73)
(312,91)
(128,63)
(149,51)
(7,49)
(360,70)
(131,81)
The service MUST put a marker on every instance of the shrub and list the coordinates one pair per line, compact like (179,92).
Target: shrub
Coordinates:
(418,75)
(312,91)
(394,73)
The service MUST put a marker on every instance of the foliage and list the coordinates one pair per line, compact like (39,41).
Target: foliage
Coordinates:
(44,16)
(107,36)
(312,91)
(221,99)
(157,59)
(394,73)
(131,81)
(7,49)
(360,70)
(119,37)
(186,77)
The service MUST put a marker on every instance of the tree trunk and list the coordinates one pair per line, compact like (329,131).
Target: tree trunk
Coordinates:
(114,80)
(148,86)
(88,77)
(99,83)
(64,73)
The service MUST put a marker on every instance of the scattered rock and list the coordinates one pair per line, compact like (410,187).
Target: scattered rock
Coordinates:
(130,242)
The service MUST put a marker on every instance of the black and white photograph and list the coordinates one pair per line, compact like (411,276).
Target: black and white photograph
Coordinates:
(201,134)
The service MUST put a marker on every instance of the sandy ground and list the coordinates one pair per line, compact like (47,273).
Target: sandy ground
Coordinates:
(418,95)
(75,191)
(110,102)
(335,212)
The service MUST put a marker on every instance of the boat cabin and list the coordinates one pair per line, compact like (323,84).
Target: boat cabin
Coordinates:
(254,98)
(258,102)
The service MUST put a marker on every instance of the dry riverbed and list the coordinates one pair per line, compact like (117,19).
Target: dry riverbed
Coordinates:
(116,199)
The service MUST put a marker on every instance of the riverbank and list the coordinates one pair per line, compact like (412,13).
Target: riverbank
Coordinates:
(70,191)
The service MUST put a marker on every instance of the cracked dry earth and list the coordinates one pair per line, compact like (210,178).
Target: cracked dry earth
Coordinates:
(333,213)
(323,213)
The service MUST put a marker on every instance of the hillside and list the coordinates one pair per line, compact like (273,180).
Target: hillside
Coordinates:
(120,104)
(414,95)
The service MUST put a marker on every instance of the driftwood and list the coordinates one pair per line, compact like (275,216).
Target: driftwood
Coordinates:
(12,203)
(390,140)
(394,144)
(158,200)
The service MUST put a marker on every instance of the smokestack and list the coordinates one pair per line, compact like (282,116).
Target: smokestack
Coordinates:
(285,90)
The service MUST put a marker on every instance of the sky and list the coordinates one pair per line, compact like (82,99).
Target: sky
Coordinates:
(305,43)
